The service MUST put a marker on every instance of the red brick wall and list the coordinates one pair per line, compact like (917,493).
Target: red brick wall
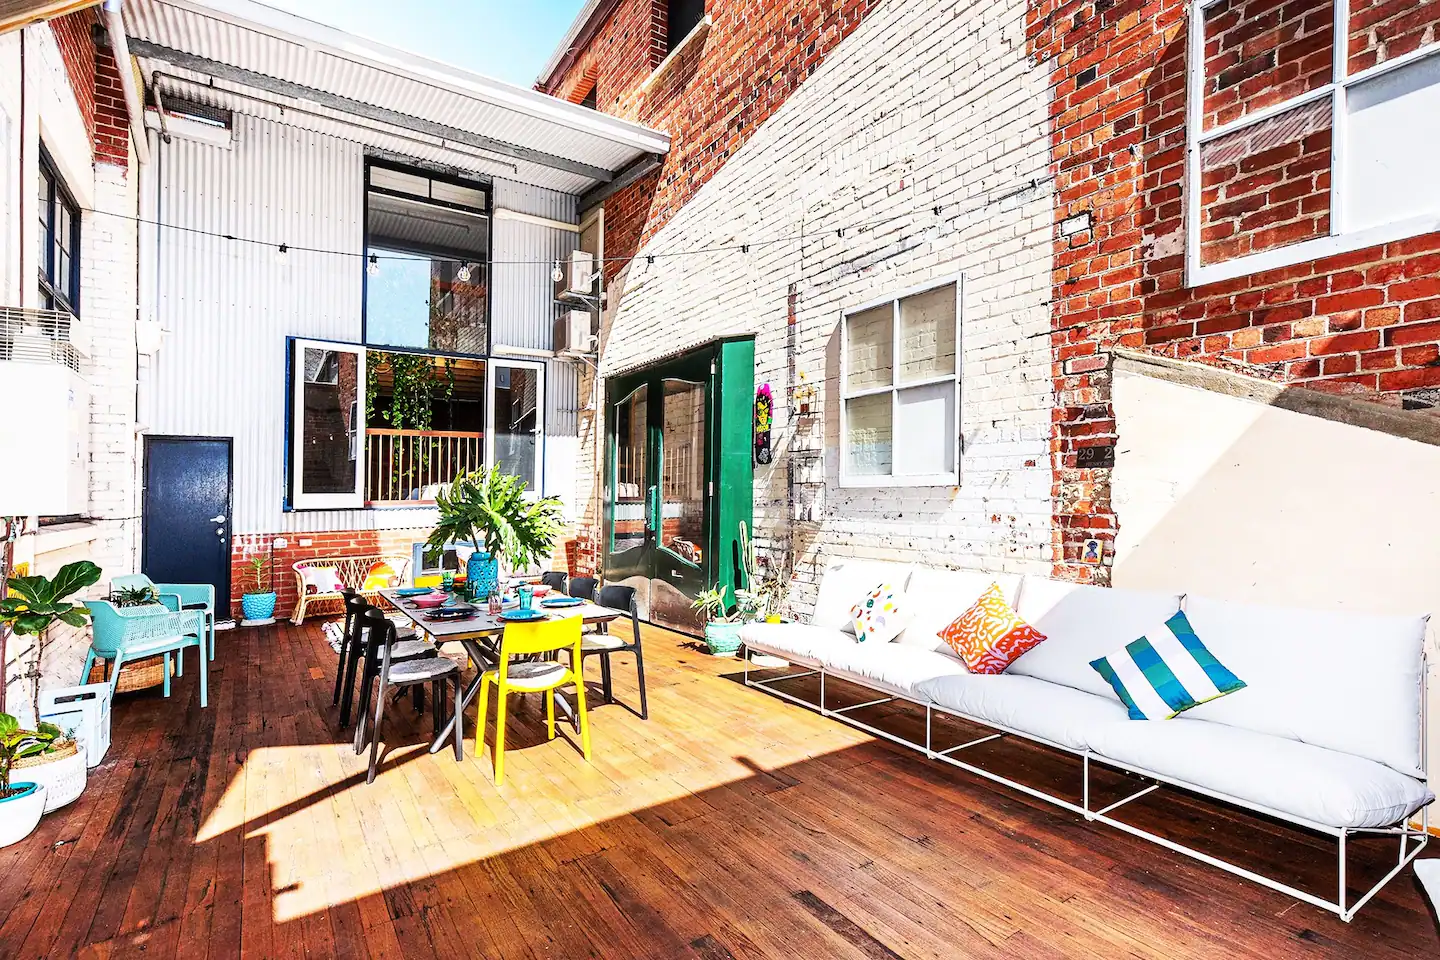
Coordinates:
(96,83)
(340,543)
(710,101)
(1365,323)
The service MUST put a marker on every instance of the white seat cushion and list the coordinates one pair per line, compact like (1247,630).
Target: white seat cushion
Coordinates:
(1271,773)
(534,674)
(1334,678)
(1083,623)
(847,581)
(800,642)
(1059,714)
(602,641)
(891,667)
(938,597)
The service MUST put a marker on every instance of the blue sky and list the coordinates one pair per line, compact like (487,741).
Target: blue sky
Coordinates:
(505,39)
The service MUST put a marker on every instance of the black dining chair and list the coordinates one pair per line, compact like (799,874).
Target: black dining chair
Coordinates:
(439,672)
(583,587)
(553,579)
(603,643)
(358,647)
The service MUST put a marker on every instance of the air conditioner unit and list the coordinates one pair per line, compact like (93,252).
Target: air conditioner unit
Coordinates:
(572,334)
(577,278)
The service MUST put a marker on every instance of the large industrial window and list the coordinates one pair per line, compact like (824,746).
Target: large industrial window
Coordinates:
(59,253)
(900,390)
(682,17)
(1300,146)
(427,251)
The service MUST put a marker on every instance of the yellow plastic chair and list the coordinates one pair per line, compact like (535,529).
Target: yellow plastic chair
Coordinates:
(533,676)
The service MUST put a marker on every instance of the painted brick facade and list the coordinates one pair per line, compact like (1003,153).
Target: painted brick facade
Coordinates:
(96,84)
(915,150)
(1365,323)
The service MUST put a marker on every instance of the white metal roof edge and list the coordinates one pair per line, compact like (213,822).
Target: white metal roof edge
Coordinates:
(567,41)
(260,17)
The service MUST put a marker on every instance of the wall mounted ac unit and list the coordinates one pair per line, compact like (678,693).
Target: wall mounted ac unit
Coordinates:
(577,280)
(572,334)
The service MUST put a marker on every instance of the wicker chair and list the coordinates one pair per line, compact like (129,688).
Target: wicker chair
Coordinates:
(348,573)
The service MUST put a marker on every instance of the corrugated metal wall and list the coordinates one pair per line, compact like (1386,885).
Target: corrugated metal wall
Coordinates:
(228,306)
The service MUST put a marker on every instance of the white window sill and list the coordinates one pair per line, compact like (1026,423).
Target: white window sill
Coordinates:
(693,39)
(917,480)
(62,536)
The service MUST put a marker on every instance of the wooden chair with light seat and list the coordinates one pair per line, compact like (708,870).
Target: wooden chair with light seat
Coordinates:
(604,644)
(533,676)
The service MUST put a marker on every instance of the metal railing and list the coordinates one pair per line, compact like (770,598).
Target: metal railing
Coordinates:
(41,336)
(405,466)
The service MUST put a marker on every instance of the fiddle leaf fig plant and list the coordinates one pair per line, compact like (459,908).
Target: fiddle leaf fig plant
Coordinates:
(17,744)
(38,602)
(489,508)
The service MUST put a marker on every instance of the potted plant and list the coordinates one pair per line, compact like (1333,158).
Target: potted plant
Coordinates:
(134,597)
(39,601)
(489,509)
(23,802)
(258,606)
(58,767)
(722,631)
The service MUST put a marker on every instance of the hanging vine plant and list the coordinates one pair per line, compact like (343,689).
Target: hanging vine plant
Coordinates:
(412,395)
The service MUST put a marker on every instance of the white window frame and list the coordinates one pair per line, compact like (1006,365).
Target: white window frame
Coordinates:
(492,364)
(1340,240)
(950,478)
(299,499)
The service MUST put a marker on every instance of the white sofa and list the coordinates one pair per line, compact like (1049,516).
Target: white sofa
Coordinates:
(1327,733)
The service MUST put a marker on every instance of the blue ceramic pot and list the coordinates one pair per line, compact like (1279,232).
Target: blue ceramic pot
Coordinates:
(482,575)
(723,638)
(258,606)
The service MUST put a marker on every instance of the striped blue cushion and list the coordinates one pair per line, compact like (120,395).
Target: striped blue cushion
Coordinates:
(1166,672)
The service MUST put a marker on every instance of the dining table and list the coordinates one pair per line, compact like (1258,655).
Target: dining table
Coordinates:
(480,633)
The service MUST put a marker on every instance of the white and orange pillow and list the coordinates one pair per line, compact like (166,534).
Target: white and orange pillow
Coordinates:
(990,635)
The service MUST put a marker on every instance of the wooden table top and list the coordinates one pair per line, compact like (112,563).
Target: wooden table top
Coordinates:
(484,625)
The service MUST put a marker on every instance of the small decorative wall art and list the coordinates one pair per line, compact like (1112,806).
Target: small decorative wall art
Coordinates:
(1093,552)
(764,420)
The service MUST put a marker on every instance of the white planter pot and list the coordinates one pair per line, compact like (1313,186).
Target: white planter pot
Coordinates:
(19,815)
(63,780)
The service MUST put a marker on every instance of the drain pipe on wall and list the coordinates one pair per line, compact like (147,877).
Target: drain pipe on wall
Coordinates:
(134,104)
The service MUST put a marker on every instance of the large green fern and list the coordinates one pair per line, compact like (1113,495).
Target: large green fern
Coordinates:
(490,509)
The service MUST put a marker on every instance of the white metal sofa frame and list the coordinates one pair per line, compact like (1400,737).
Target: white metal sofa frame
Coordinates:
(1338,906)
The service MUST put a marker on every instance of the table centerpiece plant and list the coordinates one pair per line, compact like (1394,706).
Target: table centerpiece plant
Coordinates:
(492,510)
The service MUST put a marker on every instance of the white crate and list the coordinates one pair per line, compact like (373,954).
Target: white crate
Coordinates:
(83,711)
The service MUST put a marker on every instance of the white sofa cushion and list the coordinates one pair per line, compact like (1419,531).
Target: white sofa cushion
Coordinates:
(1083,623)
(800,642)
(1059,714)
(892,668)
(1268,772)
(846,582)
(937,597)
(1334,678)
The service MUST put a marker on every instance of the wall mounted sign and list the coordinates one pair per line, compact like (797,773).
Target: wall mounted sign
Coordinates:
(764,419)
(1095,457)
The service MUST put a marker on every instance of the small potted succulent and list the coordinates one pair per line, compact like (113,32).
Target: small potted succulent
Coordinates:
(135,597)
(22,802)
(258,606)
(722,629)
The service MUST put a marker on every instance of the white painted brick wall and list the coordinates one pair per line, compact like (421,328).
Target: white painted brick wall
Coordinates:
(927,104)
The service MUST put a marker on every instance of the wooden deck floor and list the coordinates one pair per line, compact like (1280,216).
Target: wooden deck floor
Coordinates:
(729,825)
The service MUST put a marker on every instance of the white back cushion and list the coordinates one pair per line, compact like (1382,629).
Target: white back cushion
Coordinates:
(846,582)
(1338,679)
(937,597)
(1083,623)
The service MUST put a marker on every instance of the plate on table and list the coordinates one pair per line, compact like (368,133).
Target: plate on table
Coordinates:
(412,591)
(521,616)
(561,602)
(451,613)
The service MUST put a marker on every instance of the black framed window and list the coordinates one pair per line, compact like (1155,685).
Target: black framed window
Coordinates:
(59,242)
(681,18)
(427,248)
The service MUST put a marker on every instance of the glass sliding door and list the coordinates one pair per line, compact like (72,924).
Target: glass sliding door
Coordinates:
(515,426)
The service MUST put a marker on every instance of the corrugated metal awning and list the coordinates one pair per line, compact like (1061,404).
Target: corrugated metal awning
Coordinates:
(240,42)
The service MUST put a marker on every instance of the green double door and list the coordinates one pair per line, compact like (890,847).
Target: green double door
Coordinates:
(678,478)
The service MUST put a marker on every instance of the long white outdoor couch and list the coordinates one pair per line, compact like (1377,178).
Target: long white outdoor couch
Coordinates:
(1327,733)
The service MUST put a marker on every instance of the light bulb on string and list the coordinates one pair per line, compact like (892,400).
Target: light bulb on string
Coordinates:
(374,268)
(280,254)
(463,274)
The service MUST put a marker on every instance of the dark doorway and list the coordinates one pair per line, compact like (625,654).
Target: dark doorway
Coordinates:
(185,510)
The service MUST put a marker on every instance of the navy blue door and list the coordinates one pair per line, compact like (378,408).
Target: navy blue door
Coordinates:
(186,511)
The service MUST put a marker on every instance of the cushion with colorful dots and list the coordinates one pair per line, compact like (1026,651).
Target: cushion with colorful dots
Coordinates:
(881,616)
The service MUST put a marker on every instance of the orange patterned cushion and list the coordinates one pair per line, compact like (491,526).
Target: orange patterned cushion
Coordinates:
(990,636)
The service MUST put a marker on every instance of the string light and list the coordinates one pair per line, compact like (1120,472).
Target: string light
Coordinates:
(374,267)
(463,274)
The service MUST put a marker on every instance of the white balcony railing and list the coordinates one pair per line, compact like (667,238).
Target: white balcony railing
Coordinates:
(405,466)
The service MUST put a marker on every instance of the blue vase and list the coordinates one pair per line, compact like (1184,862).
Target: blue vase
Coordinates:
(482,575)
(258,606)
